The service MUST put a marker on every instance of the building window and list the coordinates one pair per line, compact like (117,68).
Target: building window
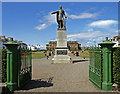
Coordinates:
(113,39)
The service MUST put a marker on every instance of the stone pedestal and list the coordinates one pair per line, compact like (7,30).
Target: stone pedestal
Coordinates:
(61,51)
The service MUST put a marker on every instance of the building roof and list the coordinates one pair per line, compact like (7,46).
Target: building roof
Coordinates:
(2,37)
(115,37)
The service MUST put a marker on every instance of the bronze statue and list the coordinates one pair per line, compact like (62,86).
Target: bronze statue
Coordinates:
(60,18)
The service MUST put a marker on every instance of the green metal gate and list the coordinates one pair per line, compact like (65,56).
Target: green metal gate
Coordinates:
(95,66)
(24,66)
(18,65)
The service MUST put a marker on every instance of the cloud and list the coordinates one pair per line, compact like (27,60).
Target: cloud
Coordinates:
(103,23)
(51,19)
(84,16)
(89,38)
(47,21)
(41,46)
(40,27)
(87,35)
(67,9)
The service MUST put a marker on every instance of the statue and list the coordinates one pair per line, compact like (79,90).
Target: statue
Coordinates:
(60,18)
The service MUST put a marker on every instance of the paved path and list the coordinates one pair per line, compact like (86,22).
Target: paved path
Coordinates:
(49,77)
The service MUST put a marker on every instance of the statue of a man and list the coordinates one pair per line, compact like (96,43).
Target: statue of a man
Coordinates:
(60,17)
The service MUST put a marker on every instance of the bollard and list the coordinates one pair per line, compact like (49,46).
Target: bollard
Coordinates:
(106,47)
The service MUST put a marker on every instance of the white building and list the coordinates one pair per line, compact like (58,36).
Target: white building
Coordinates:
(115,40)
(33,47)
(37,47)
(23,44)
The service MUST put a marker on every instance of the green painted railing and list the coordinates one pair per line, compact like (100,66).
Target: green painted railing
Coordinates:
(24,67)
(95,75)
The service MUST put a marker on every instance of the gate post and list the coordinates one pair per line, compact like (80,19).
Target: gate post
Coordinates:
(12,56)
(107,66)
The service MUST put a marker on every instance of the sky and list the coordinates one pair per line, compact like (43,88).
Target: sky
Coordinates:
(59,0)
(88,22)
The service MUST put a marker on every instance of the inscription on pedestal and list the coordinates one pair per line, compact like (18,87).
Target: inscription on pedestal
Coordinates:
(61,52)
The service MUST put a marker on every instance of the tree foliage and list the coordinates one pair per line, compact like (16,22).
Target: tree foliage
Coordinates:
(116,66)
(4,65)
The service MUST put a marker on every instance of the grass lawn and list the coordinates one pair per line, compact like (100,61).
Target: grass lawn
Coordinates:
(84,54)
(38,56)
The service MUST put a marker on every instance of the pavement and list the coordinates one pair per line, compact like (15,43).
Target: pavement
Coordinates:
(72,77)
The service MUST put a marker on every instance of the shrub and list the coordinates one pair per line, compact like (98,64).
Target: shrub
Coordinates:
(116,66)
(4,65)
(34,50)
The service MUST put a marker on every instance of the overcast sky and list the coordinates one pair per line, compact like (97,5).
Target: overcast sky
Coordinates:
(88,23)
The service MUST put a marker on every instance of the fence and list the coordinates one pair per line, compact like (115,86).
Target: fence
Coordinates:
(95,70)
(24,66)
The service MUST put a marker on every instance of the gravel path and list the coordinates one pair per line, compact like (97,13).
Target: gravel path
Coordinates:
(49,77)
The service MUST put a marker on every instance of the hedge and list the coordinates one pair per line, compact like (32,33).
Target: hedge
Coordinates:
(4,65)
(116,66)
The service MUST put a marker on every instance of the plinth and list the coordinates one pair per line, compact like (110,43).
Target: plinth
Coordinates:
(61,51)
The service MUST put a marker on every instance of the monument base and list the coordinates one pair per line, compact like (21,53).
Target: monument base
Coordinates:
(61,56)
(61,51)
(61,59)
